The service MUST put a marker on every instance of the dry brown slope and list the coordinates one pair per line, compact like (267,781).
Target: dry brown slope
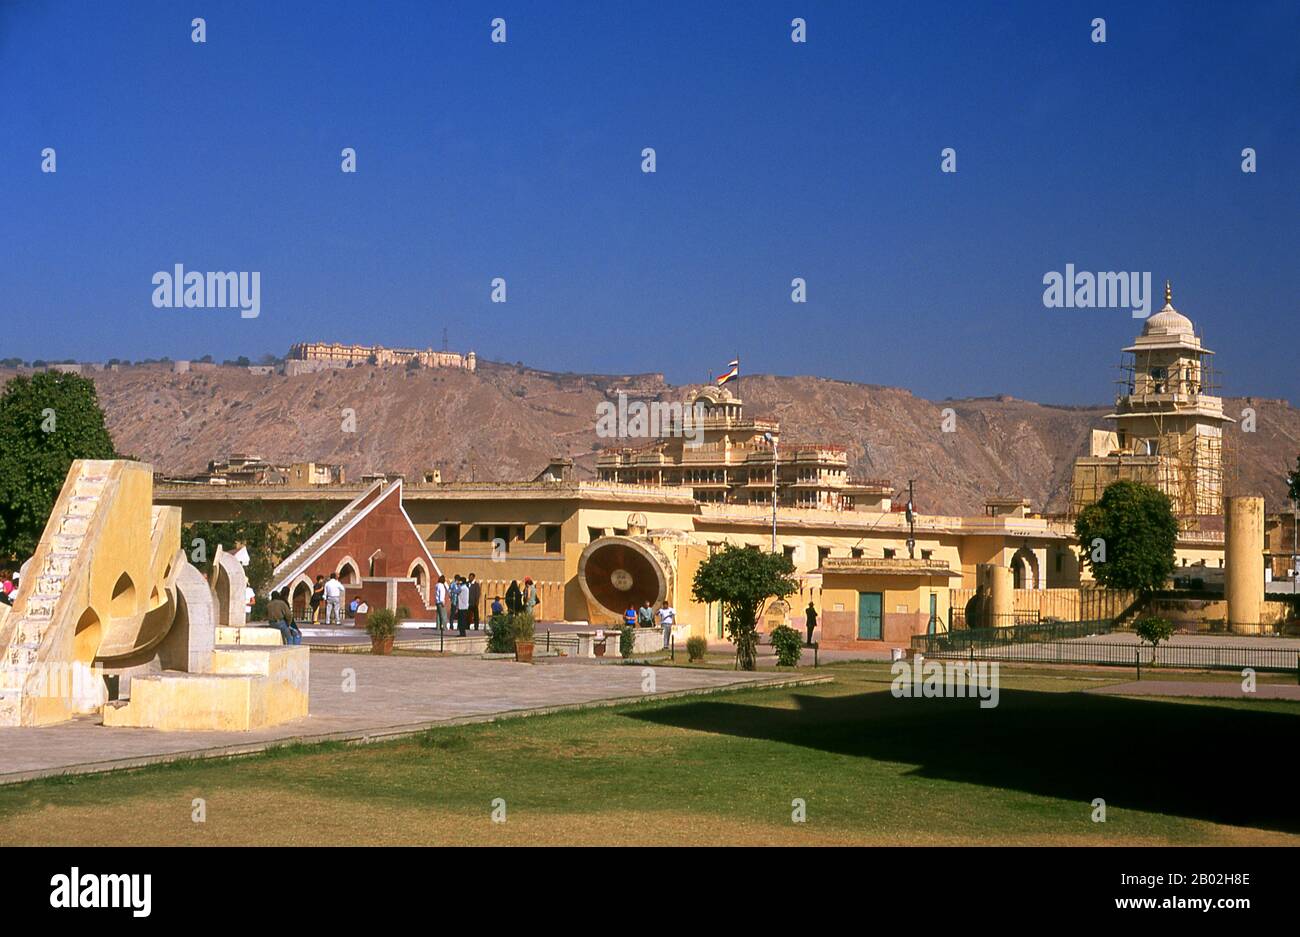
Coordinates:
(505,422)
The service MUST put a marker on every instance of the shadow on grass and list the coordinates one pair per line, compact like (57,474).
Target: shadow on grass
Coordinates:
(1211,763)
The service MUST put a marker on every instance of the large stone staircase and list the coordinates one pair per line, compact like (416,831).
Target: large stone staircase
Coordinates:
(50,572)
(343,517)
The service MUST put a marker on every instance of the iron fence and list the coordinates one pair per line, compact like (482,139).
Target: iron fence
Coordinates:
(961,640)
(1122,653)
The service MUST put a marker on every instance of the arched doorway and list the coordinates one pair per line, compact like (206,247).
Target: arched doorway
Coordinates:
(420,574)
(302,600)
(1024,570)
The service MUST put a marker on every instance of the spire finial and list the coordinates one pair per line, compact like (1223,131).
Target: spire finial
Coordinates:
(1169,294)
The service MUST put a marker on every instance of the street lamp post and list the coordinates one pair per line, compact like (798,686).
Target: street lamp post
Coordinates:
(775,458)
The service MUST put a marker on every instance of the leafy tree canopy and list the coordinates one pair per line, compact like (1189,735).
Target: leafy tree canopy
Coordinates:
(46,422)
(743,579)
(1127,537)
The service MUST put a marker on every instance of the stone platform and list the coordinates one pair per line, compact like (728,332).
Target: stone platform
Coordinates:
(360,697)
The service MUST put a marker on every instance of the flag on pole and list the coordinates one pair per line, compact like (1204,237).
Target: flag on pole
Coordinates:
(733,371)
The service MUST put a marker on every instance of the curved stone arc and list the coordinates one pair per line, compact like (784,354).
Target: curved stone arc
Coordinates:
(654,558)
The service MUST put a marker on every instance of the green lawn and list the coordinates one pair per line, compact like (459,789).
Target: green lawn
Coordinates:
(725,769)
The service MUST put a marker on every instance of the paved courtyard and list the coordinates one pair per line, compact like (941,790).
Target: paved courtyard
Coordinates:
(392,696)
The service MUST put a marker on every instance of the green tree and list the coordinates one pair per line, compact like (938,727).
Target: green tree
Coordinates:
(46,422)
(743,579)
(313,518)
(262,539)
(1153,630)
(1293,482)
(1127,537)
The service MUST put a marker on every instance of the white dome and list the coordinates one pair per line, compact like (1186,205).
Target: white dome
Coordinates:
(1168,321)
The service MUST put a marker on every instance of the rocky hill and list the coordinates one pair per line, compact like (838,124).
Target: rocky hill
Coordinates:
(505,422)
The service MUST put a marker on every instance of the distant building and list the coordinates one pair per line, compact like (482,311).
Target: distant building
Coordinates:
(314,356)
(315,473)
(729,461)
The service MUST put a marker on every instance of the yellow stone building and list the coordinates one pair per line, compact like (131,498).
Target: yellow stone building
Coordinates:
(339,355)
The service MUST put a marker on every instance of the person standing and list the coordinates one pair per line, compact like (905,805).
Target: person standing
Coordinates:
(462,602)
(318,600)
(475,597)
(333,600)
(667,618)
(630,616)
(514,598)
(645,615)
(440,602)
(531,597)
(810,621)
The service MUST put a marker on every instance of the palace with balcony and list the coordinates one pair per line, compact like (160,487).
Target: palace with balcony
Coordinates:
(725,458)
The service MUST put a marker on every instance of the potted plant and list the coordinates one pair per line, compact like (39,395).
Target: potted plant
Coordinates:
(521,624)
(381,625)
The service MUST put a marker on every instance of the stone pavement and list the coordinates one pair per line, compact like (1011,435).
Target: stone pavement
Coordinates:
(1223,690)
(393,696)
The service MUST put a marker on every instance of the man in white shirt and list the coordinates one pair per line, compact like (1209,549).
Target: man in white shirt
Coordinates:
(667,618)
(440,601)
(462,608)
(333,600)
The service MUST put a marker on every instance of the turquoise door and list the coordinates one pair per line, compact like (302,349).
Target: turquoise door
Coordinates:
(869,616)
(934,613)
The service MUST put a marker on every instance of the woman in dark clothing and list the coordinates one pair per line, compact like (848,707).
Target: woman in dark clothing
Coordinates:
(514,598)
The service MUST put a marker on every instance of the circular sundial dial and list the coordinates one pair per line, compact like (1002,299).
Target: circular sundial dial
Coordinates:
(621,580)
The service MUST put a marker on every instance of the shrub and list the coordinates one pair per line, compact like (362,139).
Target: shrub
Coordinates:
(626,640)
(1153,630)
(788,644)
(521,626)
(403,613)
(381,623)
(696,648)
(501,639)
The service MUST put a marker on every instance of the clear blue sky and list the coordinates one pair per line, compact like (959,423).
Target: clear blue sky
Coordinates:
(775,160)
